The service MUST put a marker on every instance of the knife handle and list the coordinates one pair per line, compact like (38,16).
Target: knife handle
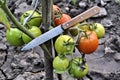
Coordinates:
(81,17)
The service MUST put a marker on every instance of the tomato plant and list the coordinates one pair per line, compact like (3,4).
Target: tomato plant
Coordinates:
(34,30)
(99,29)
(60,20)
(35,19)
(64,45)
(88,43)
(60,64)
(78,68)
(14,37)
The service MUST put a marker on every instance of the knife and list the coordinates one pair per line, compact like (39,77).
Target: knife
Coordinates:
(60,29)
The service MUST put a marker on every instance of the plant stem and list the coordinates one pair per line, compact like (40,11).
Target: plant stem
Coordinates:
(48,53)
(46,19)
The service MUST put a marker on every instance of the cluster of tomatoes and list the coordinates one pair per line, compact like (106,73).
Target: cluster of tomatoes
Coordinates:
(84,36)
(16,37)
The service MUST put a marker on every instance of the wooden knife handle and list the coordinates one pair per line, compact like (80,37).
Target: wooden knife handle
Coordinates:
(81,17)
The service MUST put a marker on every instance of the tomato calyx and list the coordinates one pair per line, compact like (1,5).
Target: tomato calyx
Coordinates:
(80,64)
(60,20)
(98,28)
(68,43)
(64,45)
(58,14)
(92,26)
(77,69)
(85,34)
(78,28)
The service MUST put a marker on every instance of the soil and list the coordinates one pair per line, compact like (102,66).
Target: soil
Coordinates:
(29,65)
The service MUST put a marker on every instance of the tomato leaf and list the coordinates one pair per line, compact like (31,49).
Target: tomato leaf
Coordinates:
(3,19)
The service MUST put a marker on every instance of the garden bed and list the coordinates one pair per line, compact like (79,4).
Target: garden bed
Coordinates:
(103,63)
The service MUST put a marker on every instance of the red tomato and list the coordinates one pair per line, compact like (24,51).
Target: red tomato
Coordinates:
(88,45)
(62,19)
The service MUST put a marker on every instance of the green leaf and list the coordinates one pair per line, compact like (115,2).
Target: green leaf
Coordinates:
(74,1)
(3,19)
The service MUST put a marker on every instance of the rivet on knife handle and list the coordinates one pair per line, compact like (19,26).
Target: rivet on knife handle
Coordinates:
(83,16)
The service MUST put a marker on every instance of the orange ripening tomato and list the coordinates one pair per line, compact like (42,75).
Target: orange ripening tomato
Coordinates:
(64,18)
(56,8)
(88,45)
(56,11)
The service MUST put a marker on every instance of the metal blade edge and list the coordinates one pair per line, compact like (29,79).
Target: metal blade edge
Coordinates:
(44,37)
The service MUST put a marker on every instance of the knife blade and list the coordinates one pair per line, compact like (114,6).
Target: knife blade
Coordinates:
(60,29)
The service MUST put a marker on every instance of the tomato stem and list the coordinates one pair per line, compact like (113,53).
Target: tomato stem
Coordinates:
(85,34)
(82,24)
(83,59)
(46,49)
(28,26)
(92,26)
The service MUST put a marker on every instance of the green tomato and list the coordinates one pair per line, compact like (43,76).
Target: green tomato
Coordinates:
(100,30)
(14,37)
(35,31)
(35,19)
(60,64)
(64,44)
(77,69)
